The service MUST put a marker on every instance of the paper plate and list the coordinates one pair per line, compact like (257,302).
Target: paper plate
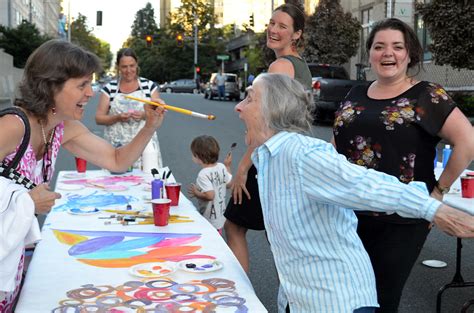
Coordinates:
(434,263)
(155,269)
(200,265)
(83,211)
(74,175)
(70,187)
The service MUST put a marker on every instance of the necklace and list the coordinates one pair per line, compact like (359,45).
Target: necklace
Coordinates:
(47,143)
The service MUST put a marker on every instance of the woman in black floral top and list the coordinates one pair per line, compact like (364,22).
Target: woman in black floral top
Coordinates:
(393,125)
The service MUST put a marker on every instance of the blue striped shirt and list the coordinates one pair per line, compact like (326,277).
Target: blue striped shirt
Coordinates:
(305,190)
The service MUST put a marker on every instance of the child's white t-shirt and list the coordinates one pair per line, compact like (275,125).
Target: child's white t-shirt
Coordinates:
(214,178)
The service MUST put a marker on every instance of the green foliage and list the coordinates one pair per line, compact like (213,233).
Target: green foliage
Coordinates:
(465,102)
(450,24)
(259,57)
(21,41)
(144,23)
(82,36)
(331,35)
(165,61)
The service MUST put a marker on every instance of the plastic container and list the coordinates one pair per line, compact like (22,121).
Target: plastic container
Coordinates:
(149,157)
(446,154)
(156,189)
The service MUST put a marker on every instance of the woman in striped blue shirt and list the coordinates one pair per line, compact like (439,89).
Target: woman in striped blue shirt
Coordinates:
(306,188)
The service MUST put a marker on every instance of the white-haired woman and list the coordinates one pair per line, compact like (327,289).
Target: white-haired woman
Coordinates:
(306,189)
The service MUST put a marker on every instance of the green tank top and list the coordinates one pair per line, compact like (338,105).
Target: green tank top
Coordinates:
(302,73)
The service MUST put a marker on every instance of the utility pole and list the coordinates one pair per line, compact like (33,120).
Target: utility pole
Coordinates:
(389,8)
(69,21)
(195,44)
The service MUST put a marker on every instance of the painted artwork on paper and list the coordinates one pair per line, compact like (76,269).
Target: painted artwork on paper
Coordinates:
(117,249)
(156,295)
(107,180)
(95,200)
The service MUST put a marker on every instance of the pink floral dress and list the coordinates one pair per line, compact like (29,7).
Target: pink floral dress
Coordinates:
(32,168)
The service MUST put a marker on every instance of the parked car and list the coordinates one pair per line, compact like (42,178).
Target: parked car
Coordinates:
(331,84)
(232,90)
(180,85)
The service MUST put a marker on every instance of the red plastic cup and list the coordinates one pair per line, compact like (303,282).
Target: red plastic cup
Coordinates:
(467,186)
(172,192)
(161,211)
(81,165)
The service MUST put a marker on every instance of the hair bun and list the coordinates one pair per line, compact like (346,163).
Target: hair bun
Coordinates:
(295,3)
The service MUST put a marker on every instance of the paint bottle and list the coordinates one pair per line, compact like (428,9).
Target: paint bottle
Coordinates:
(156,189)
(446,154)
(149,157)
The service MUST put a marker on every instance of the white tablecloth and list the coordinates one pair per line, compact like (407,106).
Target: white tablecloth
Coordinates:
(83,262)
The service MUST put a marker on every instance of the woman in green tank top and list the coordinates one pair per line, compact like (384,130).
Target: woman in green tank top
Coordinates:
(284,37)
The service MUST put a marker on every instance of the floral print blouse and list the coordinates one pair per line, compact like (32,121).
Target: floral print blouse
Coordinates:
(397,136)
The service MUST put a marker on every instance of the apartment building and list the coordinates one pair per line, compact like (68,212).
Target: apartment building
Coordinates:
(370,11)
(43,13)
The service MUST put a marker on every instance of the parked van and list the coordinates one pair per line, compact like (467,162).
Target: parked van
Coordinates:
(232,91)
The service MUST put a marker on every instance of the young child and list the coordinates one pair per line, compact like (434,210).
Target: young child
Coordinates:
(212,180)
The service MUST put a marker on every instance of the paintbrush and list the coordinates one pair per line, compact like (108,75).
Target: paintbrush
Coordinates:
(232,147)
(175,109)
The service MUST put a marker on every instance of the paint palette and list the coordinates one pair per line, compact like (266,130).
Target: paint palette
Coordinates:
(83,211)
(74,175)
(155,269)
(200,265)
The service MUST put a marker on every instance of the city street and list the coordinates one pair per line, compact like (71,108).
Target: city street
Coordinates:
(175,137)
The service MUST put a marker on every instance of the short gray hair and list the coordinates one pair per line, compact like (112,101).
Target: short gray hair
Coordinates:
(286,105)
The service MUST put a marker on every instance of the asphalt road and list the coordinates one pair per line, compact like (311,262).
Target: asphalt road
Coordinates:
(175,137)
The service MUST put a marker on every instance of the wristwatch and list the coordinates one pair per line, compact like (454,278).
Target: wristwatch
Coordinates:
(443,190)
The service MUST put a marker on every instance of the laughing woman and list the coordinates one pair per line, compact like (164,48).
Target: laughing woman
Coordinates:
(55,88)
(393,125)
(285,37)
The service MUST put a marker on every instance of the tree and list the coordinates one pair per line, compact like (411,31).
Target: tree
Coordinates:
(21,41)
(332,36)
(450,24)
(144,23)
(165,60)
(182,20)
(82,36)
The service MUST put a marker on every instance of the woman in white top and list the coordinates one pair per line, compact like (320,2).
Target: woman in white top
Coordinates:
(123,117)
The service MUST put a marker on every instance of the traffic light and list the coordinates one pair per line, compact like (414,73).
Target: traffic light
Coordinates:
(149,40)
(252,21)
(179,40)
(99,18)
(198,69)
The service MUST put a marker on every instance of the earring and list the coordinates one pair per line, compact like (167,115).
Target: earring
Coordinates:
(53,109)
(293,44)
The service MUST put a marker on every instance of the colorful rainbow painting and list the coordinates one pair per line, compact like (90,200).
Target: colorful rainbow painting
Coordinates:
(117,249)
(95,200)
(156,295)
(106,180)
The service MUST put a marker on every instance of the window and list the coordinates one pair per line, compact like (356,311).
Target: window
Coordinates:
(366,21)
(423,35)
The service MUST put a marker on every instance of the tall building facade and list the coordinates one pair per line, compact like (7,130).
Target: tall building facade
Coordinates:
(370,11)
(43,13)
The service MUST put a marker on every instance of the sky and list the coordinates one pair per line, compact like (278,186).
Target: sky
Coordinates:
(117,17)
